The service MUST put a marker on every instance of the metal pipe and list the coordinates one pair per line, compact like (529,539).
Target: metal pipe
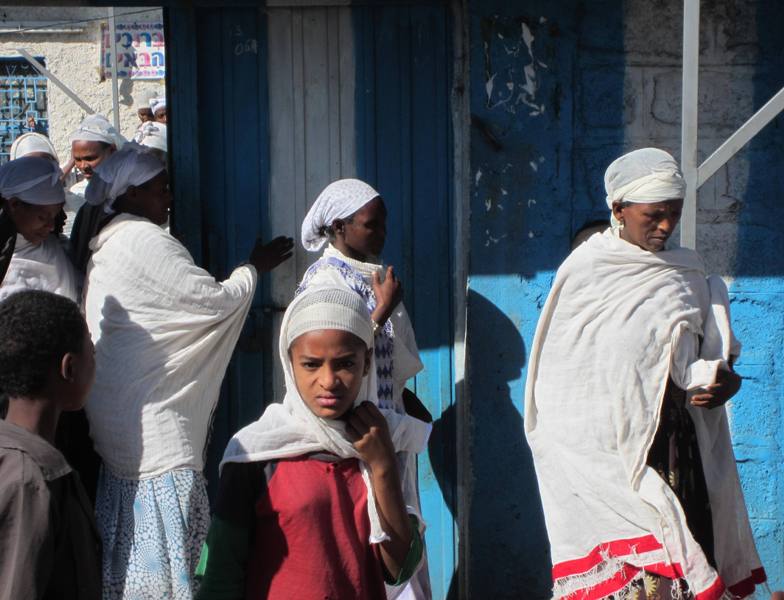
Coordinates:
(113,55)
(741,137)
(689,119)
(48,74)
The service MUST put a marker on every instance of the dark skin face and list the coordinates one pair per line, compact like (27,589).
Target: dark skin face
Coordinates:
(151,200)
(35,223)
(88,155)
(145,115)
(329,366)
(364,234)
(648,226)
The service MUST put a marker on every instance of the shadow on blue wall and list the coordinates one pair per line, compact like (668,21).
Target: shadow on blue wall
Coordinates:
(506,512)
(547,108)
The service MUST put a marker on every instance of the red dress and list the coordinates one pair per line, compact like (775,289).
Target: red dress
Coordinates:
(311,535)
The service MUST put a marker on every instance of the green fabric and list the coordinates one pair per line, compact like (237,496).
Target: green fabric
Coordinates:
(224,556)
(413,557)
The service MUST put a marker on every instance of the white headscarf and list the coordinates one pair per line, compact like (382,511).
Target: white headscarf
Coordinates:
(32,179)
(153,135)
(643,176)
(96,128)
(156,104)
(131,166)
(291,429)
(31,142)
(340,199)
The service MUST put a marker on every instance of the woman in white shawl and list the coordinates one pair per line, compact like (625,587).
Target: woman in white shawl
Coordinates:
(629,370)
(33,200)
(164,330)
(91,143)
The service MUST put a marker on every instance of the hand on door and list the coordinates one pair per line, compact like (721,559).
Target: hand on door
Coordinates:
(266,257)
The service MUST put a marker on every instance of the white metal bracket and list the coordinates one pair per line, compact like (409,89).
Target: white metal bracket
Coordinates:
(695,175)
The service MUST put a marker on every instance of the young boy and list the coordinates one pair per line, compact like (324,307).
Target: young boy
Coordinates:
(49,546)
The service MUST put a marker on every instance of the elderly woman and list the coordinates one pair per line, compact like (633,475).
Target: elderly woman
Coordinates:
(164,331)
(350,217)
(629,370)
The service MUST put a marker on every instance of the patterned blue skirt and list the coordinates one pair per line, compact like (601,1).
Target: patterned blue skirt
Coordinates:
(152,532)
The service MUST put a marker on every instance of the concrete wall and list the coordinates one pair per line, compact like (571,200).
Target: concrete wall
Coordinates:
(557,91)
(74,59)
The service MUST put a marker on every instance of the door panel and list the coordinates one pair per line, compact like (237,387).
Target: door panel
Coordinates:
(289,99)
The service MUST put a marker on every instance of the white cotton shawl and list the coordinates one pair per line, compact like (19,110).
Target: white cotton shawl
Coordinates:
(164,330)
(339,200)
(617,322)
(43,266)
(291,429)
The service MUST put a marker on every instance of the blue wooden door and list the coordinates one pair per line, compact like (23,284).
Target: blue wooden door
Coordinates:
(282,101)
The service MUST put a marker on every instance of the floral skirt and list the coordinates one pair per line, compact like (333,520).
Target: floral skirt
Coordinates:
(152,532)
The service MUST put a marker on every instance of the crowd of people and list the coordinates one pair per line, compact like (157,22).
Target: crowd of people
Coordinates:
(114,345)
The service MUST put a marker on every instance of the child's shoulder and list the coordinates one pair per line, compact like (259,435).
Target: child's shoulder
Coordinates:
(26,457)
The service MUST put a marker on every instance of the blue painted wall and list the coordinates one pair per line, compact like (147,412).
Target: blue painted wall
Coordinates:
(758,309)
(538,133)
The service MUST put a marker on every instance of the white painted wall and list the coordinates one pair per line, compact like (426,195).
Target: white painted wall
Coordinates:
(74,59)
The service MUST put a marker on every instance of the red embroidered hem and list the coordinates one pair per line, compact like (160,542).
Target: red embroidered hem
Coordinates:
(627,573)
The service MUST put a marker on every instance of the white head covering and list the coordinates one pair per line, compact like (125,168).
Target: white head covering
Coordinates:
(291,429)
(156,104)
(153,135)
(32,179)
(340,199)
(96,128)
(643,176)
(32,142)
(131,166)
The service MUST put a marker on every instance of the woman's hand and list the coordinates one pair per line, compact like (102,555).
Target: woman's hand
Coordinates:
(726,386)
(388,295)
(368,428)
(266,257)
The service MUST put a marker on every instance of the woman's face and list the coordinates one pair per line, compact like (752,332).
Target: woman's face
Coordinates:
(151,200)
(329,365)
(364,235)
(88,155)
(648,226)
(34,222)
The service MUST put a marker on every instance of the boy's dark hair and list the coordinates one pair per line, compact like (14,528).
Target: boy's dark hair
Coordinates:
(36,330)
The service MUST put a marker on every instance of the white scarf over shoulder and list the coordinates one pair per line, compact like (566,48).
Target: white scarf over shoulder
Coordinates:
(290,428)
(164,330)
(618,321)
(44,266)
